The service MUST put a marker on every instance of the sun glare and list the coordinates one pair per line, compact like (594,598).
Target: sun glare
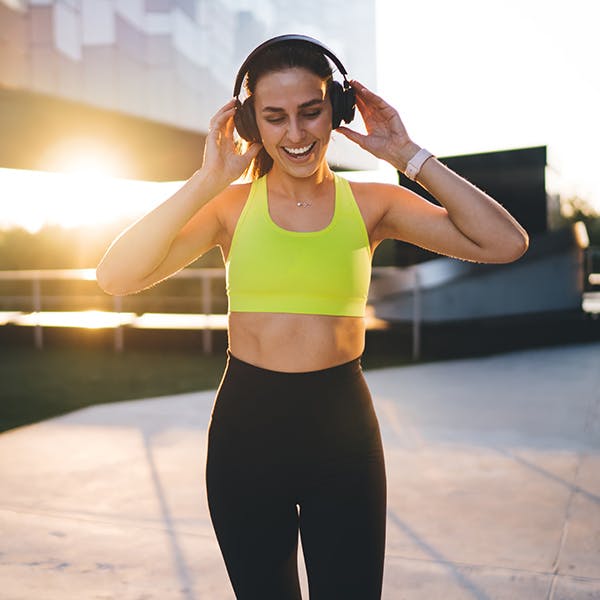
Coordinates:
(86,319)
(83,156)
(80,186)
(89,166)
(82,197)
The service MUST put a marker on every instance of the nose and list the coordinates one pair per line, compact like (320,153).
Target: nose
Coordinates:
(295,131)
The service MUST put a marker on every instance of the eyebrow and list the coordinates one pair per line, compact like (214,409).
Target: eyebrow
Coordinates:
(308,104)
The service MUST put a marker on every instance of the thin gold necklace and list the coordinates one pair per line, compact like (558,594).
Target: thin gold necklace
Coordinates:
(304,204)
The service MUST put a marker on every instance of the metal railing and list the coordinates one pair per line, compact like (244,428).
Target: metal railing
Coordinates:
(386,281)
(36,277)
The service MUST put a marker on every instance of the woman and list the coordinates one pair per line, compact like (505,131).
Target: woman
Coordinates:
(294,443)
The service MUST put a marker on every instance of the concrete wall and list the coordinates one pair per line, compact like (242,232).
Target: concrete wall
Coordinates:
(157,60)
(169,61)
(548,278)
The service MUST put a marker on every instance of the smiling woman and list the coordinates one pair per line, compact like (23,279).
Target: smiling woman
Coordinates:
(83,196)
(294,443)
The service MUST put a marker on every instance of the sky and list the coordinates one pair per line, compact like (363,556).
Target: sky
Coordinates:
(465,75)
(473,76)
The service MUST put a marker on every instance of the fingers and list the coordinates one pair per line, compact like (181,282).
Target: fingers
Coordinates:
(225,108)
(221,117)
(229,127)
(364,93)
(252,151)
(352,135)
(366,99)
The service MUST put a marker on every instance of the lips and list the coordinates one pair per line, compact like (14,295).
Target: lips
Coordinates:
(299,152)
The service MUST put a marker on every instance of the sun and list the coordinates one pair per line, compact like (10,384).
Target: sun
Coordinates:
(84,156)
(89,166)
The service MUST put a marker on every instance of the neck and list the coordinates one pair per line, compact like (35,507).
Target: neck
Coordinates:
(300,187)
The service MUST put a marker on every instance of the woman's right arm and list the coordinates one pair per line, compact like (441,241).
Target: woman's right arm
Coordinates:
(183,227)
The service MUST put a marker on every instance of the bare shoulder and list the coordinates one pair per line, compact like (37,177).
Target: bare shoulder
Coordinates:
(227,207)
(374,199)
(377,192)
(230,203)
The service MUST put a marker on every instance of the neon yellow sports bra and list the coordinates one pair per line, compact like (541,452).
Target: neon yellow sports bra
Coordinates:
(325,272)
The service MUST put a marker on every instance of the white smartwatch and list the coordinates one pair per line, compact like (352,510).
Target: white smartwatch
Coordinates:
(416,162)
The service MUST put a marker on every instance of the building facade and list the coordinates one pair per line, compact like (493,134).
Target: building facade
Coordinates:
(167,62)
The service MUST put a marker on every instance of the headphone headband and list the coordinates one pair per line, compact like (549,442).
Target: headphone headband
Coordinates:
(292,37)
(342,96)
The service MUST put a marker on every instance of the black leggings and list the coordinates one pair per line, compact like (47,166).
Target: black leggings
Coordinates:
(297,451)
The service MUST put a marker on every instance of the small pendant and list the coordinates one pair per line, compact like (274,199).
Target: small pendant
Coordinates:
(303,204)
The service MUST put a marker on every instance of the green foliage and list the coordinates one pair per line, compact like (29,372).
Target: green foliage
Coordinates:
(575,208)
(36,385)
(55,247)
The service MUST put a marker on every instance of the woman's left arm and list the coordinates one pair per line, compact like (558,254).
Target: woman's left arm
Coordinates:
(469,224)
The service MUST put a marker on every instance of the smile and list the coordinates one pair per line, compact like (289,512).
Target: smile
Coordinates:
(299,152)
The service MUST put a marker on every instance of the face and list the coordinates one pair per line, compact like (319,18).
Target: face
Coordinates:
(293,114)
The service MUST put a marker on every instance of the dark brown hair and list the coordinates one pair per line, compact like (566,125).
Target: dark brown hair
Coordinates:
(278,57)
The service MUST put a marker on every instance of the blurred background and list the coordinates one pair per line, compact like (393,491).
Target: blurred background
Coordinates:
(104,105)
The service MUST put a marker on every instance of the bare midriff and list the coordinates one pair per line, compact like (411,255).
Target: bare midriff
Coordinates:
(295,342)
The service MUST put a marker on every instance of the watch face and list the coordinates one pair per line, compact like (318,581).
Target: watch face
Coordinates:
(416,162)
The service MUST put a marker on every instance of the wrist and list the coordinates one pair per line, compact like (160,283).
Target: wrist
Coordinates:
(410,160)
(210,184)
(413,168)
(404,154)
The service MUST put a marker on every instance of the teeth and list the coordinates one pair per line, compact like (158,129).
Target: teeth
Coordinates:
(299,150)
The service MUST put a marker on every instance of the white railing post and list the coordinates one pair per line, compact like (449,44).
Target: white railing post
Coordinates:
(416,329)
(37,319)
(38,336)
(118,308)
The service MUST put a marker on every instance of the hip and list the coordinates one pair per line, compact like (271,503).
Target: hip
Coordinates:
(325,413)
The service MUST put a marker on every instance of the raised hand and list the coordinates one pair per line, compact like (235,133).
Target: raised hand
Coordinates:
(386,136)
(223,159)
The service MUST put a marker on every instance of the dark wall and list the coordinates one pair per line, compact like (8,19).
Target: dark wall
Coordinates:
(31,125)
(515,178)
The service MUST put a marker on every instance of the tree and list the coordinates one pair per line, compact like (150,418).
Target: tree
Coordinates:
(575,208)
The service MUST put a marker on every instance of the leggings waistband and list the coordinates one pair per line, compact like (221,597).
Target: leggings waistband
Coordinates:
(343,370)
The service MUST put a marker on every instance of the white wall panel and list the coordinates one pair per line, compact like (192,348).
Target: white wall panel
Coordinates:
(158,23)
(99,76)
(133,11)
(98,22)
(16,5)
(169,60)
(160,94)
(187,37)
(43,69)
(67,31)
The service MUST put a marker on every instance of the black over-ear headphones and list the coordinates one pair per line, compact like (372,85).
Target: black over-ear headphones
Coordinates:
(343,98)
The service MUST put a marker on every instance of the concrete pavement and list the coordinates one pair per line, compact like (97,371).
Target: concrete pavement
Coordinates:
(493,489)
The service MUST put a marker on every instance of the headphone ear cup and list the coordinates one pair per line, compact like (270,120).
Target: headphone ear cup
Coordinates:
(343,103)
(335,94)
(245,120)
(349,104)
